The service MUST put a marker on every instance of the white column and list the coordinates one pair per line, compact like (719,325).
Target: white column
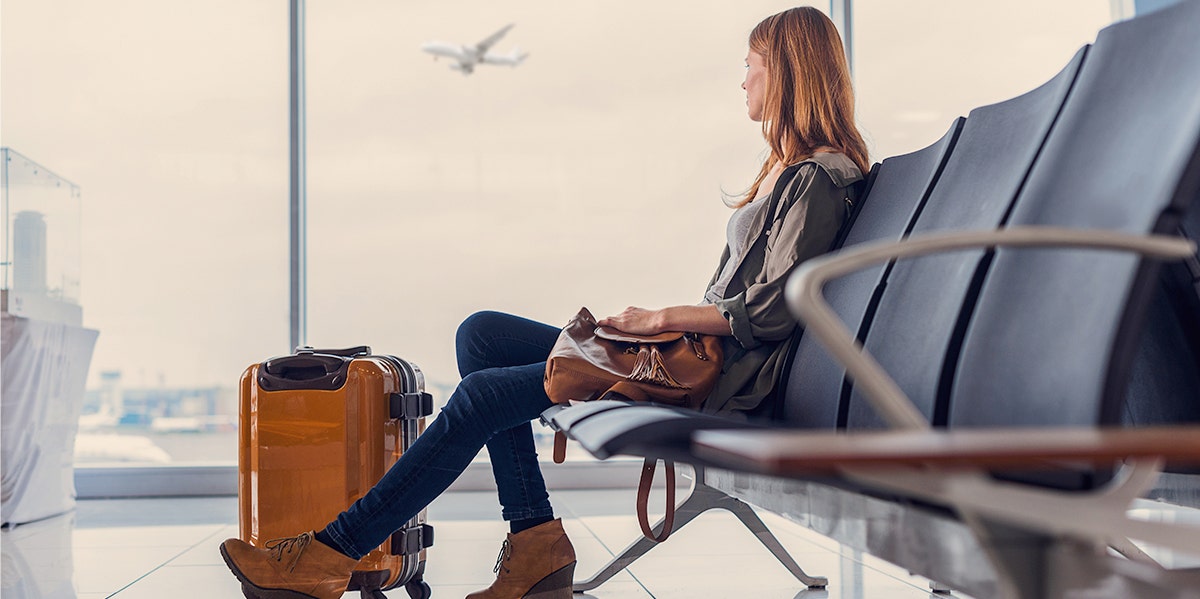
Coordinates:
(842,14)
(297,223)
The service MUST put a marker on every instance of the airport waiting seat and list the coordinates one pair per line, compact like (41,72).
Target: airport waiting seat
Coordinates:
(983,337)
(921,305)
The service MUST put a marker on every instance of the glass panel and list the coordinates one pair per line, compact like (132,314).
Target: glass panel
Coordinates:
(920,64)
(41,241)
(172,118)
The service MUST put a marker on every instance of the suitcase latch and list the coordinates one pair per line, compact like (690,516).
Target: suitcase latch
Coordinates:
(410,406)
(408,541)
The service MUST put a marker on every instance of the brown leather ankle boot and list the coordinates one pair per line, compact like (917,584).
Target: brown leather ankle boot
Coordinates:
(299,567)
(538,563)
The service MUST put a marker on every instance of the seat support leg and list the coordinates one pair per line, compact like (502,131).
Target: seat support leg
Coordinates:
(686,510)
(700,499)
(751,520)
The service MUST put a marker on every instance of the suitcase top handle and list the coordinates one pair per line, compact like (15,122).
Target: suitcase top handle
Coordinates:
(305,370)
(349,352)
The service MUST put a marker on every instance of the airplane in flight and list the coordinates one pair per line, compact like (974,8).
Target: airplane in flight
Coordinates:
(469,56)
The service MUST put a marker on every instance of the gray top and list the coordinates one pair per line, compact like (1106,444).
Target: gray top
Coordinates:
(739,236)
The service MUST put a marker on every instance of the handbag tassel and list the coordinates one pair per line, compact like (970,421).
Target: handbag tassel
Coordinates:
(650,368)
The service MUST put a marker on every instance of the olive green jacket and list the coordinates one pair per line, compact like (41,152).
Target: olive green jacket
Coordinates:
(816,203)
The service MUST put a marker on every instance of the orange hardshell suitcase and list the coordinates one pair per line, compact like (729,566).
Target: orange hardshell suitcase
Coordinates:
(318,429)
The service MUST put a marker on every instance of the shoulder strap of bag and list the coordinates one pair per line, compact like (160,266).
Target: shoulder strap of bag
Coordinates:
(643,498)
(783,189)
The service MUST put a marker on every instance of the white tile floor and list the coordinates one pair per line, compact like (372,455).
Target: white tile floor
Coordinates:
(135,548)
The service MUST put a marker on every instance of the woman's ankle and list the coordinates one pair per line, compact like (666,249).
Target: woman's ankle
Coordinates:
(324,537)
(516,526)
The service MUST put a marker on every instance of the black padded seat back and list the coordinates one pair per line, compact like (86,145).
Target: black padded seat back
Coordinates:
(1164,381)
(1054,333)
(916,324)
(813,387)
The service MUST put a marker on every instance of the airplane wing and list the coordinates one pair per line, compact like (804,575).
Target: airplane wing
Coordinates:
(489,41)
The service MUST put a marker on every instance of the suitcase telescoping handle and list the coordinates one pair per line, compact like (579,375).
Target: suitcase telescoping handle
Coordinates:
(308,369)
(349,352)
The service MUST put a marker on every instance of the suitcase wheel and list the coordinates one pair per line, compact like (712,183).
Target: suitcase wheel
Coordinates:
(418,589)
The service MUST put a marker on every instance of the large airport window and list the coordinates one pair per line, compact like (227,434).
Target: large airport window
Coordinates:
(432,193)
(591,174)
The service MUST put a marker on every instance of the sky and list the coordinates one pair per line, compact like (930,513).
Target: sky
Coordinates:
(591,175)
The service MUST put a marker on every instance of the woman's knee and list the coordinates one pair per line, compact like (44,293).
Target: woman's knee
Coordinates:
(475,341)
(490,396)
(478,322)
(470,341)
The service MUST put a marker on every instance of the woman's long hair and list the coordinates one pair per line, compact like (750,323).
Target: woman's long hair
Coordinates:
(809,101)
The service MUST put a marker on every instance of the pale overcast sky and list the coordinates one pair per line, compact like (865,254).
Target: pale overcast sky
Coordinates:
(590,175)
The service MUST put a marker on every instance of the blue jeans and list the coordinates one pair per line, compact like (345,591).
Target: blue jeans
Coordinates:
(502,359)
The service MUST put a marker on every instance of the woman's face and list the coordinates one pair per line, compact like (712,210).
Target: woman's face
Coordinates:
(755,84)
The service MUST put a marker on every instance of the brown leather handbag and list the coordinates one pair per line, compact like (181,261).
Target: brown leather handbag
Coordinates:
(590,362)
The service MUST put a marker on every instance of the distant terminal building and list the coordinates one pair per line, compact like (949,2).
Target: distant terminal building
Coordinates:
(198,409)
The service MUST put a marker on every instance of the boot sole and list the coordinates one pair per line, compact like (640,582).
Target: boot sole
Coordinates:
(558,585)
(253,591)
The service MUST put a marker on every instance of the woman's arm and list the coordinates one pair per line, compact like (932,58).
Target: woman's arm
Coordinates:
(706,319)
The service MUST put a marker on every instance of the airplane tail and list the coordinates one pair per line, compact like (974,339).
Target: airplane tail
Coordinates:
(517,56)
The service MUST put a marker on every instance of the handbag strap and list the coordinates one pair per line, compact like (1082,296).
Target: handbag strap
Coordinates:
(643,498)
(560,447)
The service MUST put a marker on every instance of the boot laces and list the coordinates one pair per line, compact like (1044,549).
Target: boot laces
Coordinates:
(505,553)
(291,546)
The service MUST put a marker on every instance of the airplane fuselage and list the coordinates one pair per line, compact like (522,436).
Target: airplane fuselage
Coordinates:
(455,51)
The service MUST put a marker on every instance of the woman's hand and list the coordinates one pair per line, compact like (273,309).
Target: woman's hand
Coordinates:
(638,321)
(706,319)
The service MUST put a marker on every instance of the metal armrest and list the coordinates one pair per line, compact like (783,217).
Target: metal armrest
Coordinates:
(803,293)
(803,453)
